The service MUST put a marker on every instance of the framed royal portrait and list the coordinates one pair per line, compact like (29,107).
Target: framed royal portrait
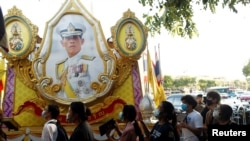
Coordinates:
(74,62)
(130,36)
(21,34)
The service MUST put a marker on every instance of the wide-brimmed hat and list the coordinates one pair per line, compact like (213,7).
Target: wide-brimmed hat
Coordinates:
(73,29)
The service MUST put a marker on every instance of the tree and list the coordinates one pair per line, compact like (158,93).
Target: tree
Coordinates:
(168,81)
(246,72)
(246,69)
(184,82)
(204,84)
(176,15)
(211,83)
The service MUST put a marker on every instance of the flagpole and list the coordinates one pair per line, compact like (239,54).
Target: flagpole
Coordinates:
(147,82)
(144,77)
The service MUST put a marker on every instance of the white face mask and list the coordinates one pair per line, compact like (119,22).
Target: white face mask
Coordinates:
(216,113)
(43,114)
(156,113)
(68,118)
(121,116)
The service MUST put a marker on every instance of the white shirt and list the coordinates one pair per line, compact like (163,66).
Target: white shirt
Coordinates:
(195,120)
(49,132)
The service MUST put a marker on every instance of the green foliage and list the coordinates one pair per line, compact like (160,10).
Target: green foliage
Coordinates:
(204,84)
(246,73)
(176,15)
(246,70)
(240,84)
(168,82)
(184,81)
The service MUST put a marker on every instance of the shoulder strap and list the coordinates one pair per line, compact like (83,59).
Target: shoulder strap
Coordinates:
(61,131)
(52,122)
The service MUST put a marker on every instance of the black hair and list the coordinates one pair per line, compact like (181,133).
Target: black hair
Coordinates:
(129,113)
(167,113)
(79,108)
(54,110)
(189,100)
(199,95)
(110,40)
(214,95)
(225,112)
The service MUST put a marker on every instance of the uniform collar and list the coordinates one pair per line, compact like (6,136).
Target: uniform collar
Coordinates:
(74,59)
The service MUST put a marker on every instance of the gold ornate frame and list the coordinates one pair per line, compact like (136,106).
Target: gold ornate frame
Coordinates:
(47,85)
(20,60)
(27,32)
(129,27)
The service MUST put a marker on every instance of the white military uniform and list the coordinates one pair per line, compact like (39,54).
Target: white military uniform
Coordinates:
(74,75)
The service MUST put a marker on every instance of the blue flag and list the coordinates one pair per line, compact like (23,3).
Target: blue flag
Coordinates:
(3,35)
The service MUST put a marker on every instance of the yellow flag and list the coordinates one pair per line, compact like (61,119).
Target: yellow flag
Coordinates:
(2,67)
(150,70)
(158,91)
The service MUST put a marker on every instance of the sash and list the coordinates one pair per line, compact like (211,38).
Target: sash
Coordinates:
(68,90)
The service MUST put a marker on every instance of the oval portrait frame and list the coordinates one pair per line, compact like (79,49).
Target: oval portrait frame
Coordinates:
(138,36)
(25,33)
(12,22)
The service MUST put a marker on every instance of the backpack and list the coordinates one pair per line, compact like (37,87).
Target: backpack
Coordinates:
(62,134)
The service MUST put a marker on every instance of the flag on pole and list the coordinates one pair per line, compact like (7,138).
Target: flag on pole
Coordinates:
(3,35)
(150,70)
(145,70)
(158,90)
(145,66)
(158,66)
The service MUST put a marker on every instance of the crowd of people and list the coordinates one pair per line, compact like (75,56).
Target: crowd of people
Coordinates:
(194,127)
(77,113)
(135,130)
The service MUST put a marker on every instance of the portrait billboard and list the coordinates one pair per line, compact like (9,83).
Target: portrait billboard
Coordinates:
(74,62)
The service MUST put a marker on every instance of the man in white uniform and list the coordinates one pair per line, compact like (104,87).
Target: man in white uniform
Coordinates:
(73,71)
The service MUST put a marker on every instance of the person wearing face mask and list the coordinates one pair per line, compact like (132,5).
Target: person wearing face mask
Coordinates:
(191,127)
(224,115)
(50,113)
(210,112)
(132,131)
(165,129)
(212,102)
(78,113)
(200,104)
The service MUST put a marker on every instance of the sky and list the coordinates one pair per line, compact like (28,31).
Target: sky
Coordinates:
(221,49)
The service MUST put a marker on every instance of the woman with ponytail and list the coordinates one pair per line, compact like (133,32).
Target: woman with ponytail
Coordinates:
(131,131)
(165,128)
(78,113)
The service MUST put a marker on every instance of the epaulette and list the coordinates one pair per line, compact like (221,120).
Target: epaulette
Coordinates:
(86,57)
(61,61)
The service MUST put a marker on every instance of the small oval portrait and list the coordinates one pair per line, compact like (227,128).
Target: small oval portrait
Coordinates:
(19,36)
(130,37)
(16,39)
